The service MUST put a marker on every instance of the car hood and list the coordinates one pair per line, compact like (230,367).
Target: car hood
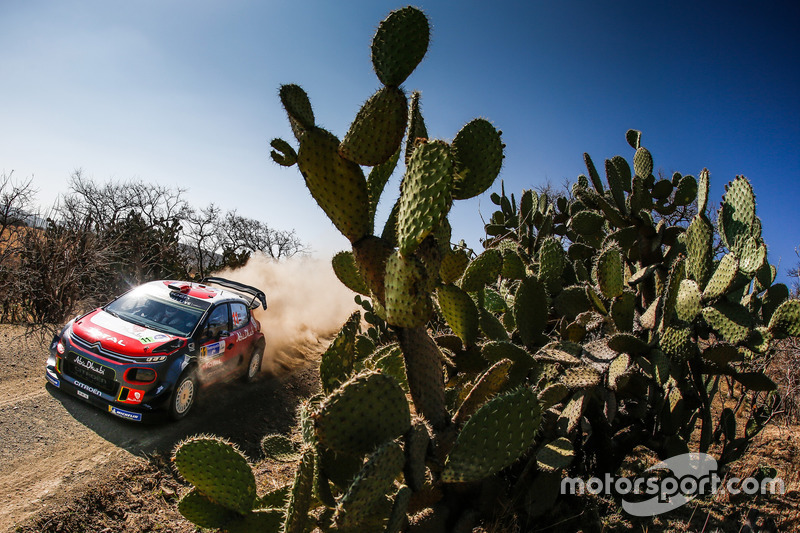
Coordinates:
(117,335)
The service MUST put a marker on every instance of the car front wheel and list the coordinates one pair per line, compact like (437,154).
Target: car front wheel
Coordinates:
(183,396)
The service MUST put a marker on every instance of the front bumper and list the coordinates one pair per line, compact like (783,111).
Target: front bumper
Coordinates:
(151,410)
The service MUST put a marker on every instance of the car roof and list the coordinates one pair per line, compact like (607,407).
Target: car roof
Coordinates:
(212,295)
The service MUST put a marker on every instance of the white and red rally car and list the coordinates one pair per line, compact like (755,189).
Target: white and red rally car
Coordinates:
(146,353)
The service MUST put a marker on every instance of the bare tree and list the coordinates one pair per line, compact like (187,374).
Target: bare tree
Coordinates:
(15,203)
(105,205)
(58,268)
(202,236)
(247,235)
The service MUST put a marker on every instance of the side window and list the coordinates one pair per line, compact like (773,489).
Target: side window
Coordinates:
(239,315)
(217,322)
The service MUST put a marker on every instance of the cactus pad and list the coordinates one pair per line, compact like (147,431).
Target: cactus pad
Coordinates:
(483,270)
(408,304)
(425,196)
(203,512)
(786,319)
(370,486)
(453,265)
(367,410)
(489,384)
(301,494)
(298,107)
(336,184)
(582,377)
(218,470)
(723,277)
(689,302)
(700,245)
(732,321)
(282,153)
(460,312)
(530,310)
(609,272)
(477,453)
(416,126)
(737,214)
(377,131)
(555,455)
(280,448)
(587,222)
(677,344)
(642,162)
(479,155)
(399,45)
(344,266)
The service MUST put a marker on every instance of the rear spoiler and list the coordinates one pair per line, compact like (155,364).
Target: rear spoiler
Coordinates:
(239,287)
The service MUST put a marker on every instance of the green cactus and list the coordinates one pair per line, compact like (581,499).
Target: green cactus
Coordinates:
(609,272)
(365,411)
(483,270)
(362,499)
(555,455)
(631,327)
(218,470)
(408,304)
(459,311)
(280,448)
(378,129)
(300,495)
(399,45)
(283,153)
(425,197)
(344,266)
(338,185)
(477,453)
(479,155)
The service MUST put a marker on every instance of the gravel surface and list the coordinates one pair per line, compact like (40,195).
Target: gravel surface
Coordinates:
(63,461)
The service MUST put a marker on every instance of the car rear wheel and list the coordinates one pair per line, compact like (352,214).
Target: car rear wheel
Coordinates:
(183,396)
(254,366)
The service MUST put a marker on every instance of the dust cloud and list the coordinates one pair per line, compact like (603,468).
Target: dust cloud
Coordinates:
(307,305)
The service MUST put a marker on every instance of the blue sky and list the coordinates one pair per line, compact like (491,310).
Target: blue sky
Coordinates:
(184,93)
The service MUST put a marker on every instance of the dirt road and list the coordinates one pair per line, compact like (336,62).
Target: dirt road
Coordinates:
(51,443)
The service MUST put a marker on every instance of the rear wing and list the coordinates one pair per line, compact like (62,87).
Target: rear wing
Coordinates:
(239,287)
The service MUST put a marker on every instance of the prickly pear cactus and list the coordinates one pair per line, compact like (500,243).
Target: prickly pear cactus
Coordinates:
(587,326)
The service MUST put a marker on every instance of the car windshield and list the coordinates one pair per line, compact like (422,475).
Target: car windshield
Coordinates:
(142,307)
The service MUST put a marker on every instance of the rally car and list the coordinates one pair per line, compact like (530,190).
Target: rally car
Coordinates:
(145,354)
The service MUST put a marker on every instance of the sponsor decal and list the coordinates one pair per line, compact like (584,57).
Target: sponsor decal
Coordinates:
(87,388)
(211,363)
(156,338)
(213,350)
(83,395)
(124,414)
(90,365)
(105,336)
(245,333)
(110,322)
(133,396)
(180,297)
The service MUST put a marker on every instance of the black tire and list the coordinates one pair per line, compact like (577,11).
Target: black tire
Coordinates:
(254,364)
(183,396)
